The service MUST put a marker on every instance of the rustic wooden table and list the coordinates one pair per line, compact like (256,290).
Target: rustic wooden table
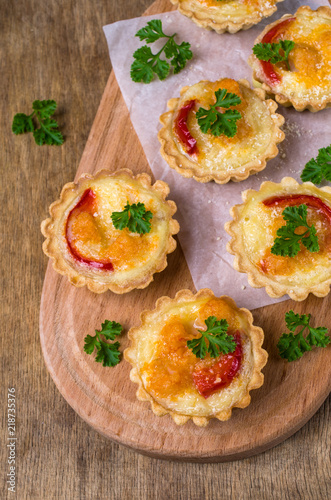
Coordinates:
(56,49)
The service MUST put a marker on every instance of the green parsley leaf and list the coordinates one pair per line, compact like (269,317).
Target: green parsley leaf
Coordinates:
(274,52)
(91,343)
(110,329)
(294,320)
(217,123)
(135,217)
(292,346)
(22,123)
(288,241)
(225,99)
(108,354)
(161,69)
(318,336)
(198,347)
(147,64)
(45,109)
(317,170)
(324,159)
(312,172)
(151,32)
(144,67)
(141,72)
(39,136)
(218,340)
(178,54)
(48,132)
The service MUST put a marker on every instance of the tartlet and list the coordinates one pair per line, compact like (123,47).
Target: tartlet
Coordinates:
(253,230)
(178,383)
(228,15)
(205,157)
(84,244)
(308,84)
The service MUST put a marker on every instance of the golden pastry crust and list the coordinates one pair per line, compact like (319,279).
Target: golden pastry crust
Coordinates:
(308,84)
(221,16)
(131,259)
(223,158)
(170,389)
(254,229)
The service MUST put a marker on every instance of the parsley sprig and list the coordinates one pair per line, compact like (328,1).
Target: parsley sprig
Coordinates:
(218,340)
(135,217)
(317,170)
(274,52)
(220,123)
(48,132)
(292,346)
(108,354)
(288,241)
(146,63)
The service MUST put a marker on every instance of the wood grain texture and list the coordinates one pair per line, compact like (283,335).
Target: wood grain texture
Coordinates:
(56,49)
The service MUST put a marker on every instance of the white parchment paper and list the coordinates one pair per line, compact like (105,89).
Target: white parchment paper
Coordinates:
(203,209)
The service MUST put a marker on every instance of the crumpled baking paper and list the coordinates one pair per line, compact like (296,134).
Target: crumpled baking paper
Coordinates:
(203,209)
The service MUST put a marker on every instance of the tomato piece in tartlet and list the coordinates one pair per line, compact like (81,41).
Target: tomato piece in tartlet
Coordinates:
(306,83)
(254,229)
(84,243)
(177,382)
(226,15)
(204,156)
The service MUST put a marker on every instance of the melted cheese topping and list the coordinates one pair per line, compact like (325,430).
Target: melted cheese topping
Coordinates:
(94,237)
(255,128)
(234,10)
(259,224)
(166,364)
(310,60)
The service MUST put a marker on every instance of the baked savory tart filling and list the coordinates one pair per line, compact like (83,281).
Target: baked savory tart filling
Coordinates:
(169,371)
(226,15)
(306,83)
(84,243)
(211,155)
(285,250)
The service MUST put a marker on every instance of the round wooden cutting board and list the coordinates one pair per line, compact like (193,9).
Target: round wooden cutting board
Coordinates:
(105,397)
